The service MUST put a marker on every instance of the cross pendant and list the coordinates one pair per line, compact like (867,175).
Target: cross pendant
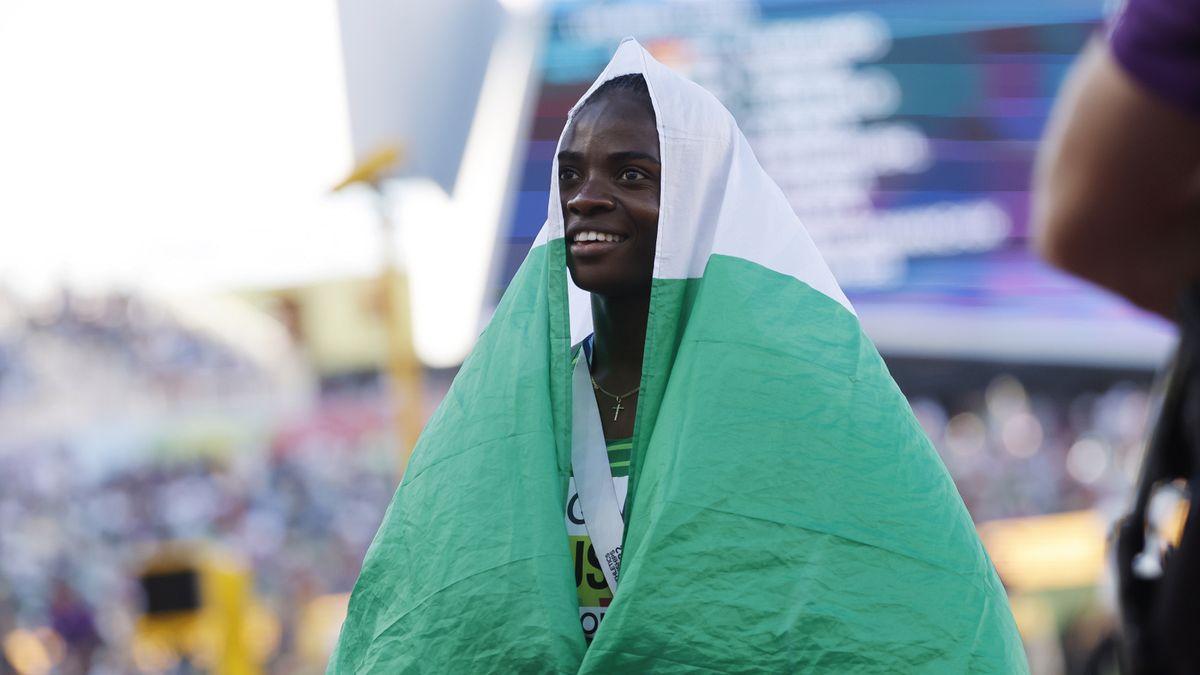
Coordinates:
(617,409)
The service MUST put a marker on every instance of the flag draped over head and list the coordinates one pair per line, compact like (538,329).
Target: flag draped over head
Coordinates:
(785,513)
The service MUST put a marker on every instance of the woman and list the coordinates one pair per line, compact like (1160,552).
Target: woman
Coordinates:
(781,509)
(609,178)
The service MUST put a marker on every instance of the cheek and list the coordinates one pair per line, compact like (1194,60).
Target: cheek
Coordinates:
(647,222)
(646,216)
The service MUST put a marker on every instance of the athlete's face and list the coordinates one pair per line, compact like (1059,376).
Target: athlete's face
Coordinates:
(608,181)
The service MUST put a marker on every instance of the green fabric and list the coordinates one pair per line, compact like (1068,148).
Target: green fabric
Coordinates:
(785,512)
(797,506)
(470,570)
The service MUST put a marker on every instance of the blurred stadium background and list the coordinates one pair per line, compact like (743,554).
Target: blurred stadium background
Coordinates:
(206,393)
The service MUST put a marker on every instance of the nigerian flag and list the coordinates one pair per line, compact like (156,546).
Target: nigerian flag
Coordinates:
(785,512)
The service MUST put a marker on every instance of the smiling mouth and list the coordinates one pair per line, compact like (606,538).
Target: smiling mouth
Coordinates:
(588,242)
(588,236)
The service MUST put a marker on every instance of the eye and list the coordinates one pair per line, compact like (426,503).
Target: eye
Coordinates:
(567,174)
(632,174)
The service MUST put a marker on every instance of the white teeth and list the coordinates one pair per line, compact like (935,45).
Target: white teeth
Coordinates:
(592,235)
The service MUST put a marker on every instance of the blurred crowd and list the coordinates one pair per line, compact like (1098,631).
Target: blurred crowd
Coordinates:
(301,514)
(90,493)
(96,483)
(1014,451)
(72,360)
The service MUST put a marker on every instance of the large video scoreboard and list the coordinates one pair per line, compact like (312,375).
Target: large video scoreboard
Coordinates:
(903,133)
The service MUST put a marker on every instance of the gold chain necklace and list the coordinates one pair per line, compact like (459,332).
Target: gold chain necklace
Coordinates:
(618,407)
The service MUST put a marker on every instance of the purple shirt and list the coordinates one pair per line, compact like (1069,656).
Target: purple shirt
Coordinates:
(1158,43)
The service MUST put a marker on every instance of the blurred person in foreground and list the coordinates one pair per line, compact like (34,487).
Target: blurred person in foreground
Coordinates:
(1117,201)
(673,449)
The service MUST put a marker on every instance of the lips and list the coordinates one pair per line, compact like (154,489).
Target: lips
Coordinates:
(585,236)
(586,242)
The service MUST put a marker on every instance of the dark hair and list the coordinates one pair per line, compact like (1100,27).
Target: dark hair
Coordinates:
(632,85)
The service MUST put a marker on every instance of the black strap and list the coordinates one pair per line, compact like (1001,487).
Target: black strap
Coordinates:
(1159,616)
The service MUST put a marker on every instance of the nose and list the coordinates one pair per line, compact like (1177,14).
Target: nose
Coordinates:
(591,197)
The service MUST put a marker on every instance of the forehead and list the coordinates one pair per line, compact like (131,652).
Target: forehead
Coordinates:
(612,123)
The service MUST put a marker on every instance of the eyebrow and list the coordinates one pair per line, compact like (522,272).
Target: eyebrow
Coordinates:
(625,156)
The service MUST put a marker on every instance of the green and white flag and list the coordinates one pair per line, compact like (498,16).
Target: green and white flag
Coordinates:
(785,512)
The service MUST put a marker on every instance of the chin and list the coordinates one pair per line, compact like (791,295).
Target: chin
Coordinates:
(594,283)
(609,287)
(615,277)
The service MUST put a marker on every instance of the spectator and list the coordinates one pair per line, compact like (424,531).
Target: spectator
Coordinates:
(1117,201)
